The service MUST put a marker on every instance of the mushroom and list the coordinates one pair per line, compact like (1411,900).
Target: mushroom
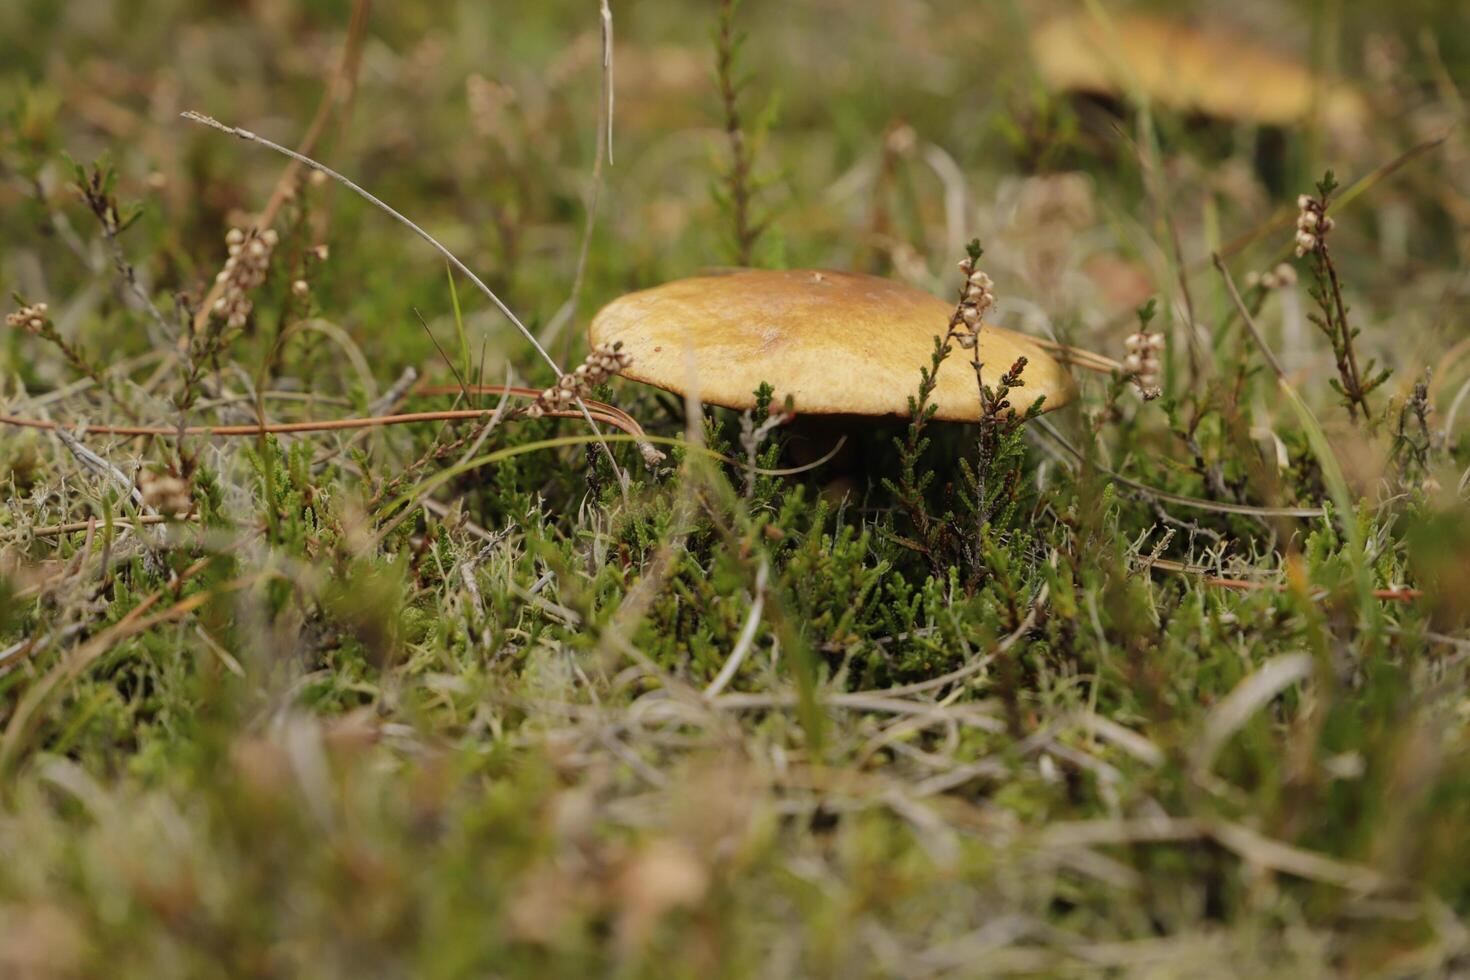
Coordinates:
(841,344)
(1213,73)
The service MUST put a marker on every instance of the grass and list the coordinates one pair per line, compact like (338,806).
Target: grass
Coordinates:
(1168,688)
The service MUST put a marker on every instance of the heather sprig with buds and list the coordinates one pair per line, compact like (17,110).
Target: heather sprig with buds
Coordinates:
(244,271)
(1142,363)
(1141,366)
(603,362)
(32,318)
(35,319)
(977,298)
(991,486)
(997,458)
(932,536)
(1314,225)
(1312,222)
(1282,276)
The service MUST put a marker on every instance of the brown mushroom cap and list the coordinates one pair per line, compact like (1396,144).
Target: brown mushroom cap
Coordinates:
(1176,66)
(838,343)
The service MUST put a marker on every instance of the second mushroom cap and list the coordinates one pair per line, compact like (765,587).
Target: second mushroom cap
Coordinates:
(1207,70)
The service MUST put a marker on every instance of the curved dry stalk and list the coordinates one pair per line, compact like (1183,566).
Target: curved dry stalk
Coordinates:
(518,391)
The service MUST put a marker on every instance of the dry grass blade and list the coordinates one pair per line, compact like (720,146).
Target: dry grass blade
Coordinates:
(1248,697)
(746,639)
(1139,830)
(1273,855)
